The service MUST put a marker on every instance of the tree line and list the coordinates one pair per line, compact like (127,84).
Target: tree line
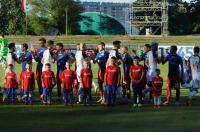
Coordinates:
(46,17)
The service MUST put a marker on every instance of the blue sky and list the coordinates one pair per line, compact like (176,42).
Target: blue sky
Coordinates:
(120,0)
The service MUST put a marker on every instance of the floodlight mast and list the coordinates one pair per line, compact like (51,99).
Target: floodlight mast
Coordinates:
(149,13)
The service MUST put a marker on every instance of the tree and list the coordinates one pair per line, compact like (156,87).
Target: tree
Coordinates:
(46,15)
(11,17)
(179,23)
(195,16)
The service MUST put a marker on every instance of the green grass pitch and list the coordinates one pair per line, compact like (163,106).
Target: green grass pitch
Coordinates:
(99,118)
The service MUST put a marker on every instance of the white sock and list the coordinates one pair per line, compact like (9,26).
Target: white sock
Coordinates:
(158,100)
(94,84)
(154,100)
(79,98)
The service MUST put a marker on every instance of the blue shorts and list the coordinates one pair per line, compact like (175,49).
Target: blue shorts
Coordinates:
(47,91)
(68,91)
(138,86)
(111,88)
(28,92)
(10,91)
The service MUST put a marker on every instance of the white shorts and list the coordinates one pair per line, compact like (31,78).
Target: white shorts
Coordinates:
(150,75)
(78,73)
(195,75)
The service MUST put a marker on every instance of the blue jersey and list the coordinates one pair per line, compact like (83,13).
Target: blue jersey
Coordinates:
(102,58)
(61,61)
(72,55)
(174,62)
(40,52)
(144,57)
(127,59)
(26,59)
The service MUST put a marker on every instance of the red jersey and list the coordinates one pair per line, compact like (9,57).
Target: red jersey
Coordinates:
(68,77)
(86,76)
(47,78)
(11,80)
(28,79)
(157,84)
(21,75)
(136,72)
(112,73)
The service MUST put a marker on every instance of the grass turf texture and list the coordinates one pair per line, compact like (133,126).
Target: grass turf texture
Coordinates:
(100,118)
(96,118)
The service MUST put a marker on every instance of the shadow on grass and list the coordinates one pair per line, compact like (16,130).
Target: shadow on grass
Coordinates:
(99,118)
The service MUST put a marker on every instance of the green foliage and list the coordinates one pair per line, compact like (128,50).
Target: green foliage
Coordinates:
(178,23)
(12,18)
(45,15)
(195,16)
(184,18)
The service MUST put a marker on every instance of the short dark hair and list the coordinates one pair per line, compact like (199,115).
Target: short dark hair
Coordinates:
(43,40)
(154,44)
(125,47)
(60,45)
(47,64)
(25,45)
(136,58)
(102,43)
(11,45)
(174,47)
(116,42)
(1,34)
(113,57)
(86,60)
(50,42)
(158,70)
(29,63)
(68,62)
(11,65)
(196,49)
(148,46)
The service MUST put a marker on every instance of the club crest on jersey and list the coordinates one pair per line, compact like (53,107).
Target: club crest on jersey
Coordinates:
(27,76)
(112,70)
(47,76)
(138,70)
(10,77)
(68,75)
(87,74)
(157,82)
